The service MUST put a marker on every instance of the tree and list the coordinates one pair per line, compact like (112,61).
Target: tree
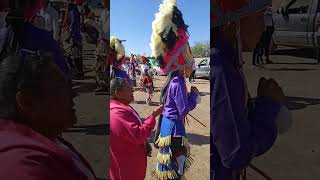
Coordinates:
(201,49)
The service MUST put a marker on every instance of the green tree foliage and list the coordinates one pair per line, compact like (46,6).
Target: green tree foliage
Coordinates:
(201,49)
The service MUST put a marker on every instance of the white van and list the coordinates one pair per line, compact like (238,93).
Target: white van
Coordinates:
(296,23)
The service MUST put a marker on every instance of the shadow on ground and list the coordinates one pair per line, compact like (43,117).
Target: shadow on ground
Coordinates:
(99,129)
(195,83)
(204,94)
(288,69)
(144,102)
(302,53)
(296,103)
(84,87)
(197,139)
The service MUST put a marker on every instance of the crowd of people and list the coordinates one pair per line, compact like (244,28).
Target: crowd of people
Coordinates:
(36,94)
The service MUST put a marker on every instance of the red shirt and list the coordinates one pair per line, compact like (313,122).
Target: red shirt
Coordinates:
(28,155)
(147,81)
(128,157)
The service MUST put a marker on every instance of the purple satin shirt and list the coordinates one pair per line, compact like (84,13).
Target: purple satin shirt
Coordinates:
(178,103)
(237,134)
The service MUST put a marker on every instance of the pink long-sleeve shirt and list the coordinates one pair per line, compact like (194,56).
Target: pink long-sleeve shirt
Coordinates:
(128,158)
(28,155)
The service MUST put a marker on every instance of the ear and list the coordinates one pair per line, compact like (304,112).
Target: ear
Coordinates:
(24,102)
(118,94)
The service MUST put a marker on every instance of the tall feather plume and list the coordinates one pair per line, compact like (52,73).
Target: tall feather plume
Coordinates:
(164,29)
(116,45)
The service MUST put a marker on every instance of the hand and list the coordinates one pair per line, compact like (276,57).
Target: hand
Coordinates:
(272,89)
(157,111)
(194,89)
(148,149)
(263,82)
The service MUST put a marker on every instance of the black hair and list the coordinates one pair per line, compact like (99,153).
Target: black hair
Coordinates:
(116,84)
(164,91)
(169,37)
(18,74)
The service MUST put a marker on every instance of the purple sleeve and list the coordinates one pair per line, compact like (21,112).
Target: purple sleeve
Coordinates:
(239,137)
(185,103)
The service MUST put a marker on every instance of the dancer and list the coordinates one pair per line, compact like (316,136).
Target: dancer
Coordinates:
(242,128)
(144,68)
(175,58)
(116,59)
(74,25)
(148,86)
(133,69)
(101,65)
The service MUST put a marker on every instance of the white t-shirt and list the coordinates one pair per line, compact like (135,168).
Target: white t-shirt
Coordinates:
(51,17)
(268,21)
(144,68)
(194,66)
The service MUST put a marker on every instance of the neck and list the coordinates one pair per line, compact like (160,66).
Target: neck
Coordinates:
(120,101)
(45,131)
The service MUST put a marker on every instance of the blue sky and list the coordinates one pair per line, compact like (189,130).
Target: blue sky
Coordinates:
(131,20)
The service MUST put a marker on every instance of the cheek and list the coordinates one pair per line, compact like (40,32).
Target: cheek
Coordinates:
(55,104)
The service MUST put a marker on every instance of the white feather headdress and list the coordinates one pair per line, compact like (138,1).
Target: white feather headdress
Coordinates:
(116,45)
(163,22)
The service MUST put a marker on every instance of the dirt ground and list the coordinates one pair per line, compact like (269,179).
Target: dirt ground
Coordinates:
(198,135)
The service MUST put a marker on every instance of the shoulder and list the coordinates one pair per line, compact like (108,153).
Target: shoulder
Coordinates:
(118,108)
(177,81)
(21,146)
(34,34)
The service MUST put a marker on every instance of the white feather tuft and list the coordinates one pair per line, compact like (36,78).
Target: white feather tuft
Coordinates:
(162,22)
(118,46)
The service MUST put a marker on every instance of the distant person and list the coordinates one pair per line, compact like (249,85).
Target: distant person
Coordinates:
(269,24)
(75,38)
(143,68)
(116,59)
(32,39)
(259,50)
(101,65)
(148,86)
(191,78)
(133,63)
(51,17)
(128,134)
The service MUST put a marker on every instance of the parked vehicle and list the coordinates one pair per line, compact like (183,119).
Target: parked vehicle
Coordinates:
(296,24)
(203,68)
